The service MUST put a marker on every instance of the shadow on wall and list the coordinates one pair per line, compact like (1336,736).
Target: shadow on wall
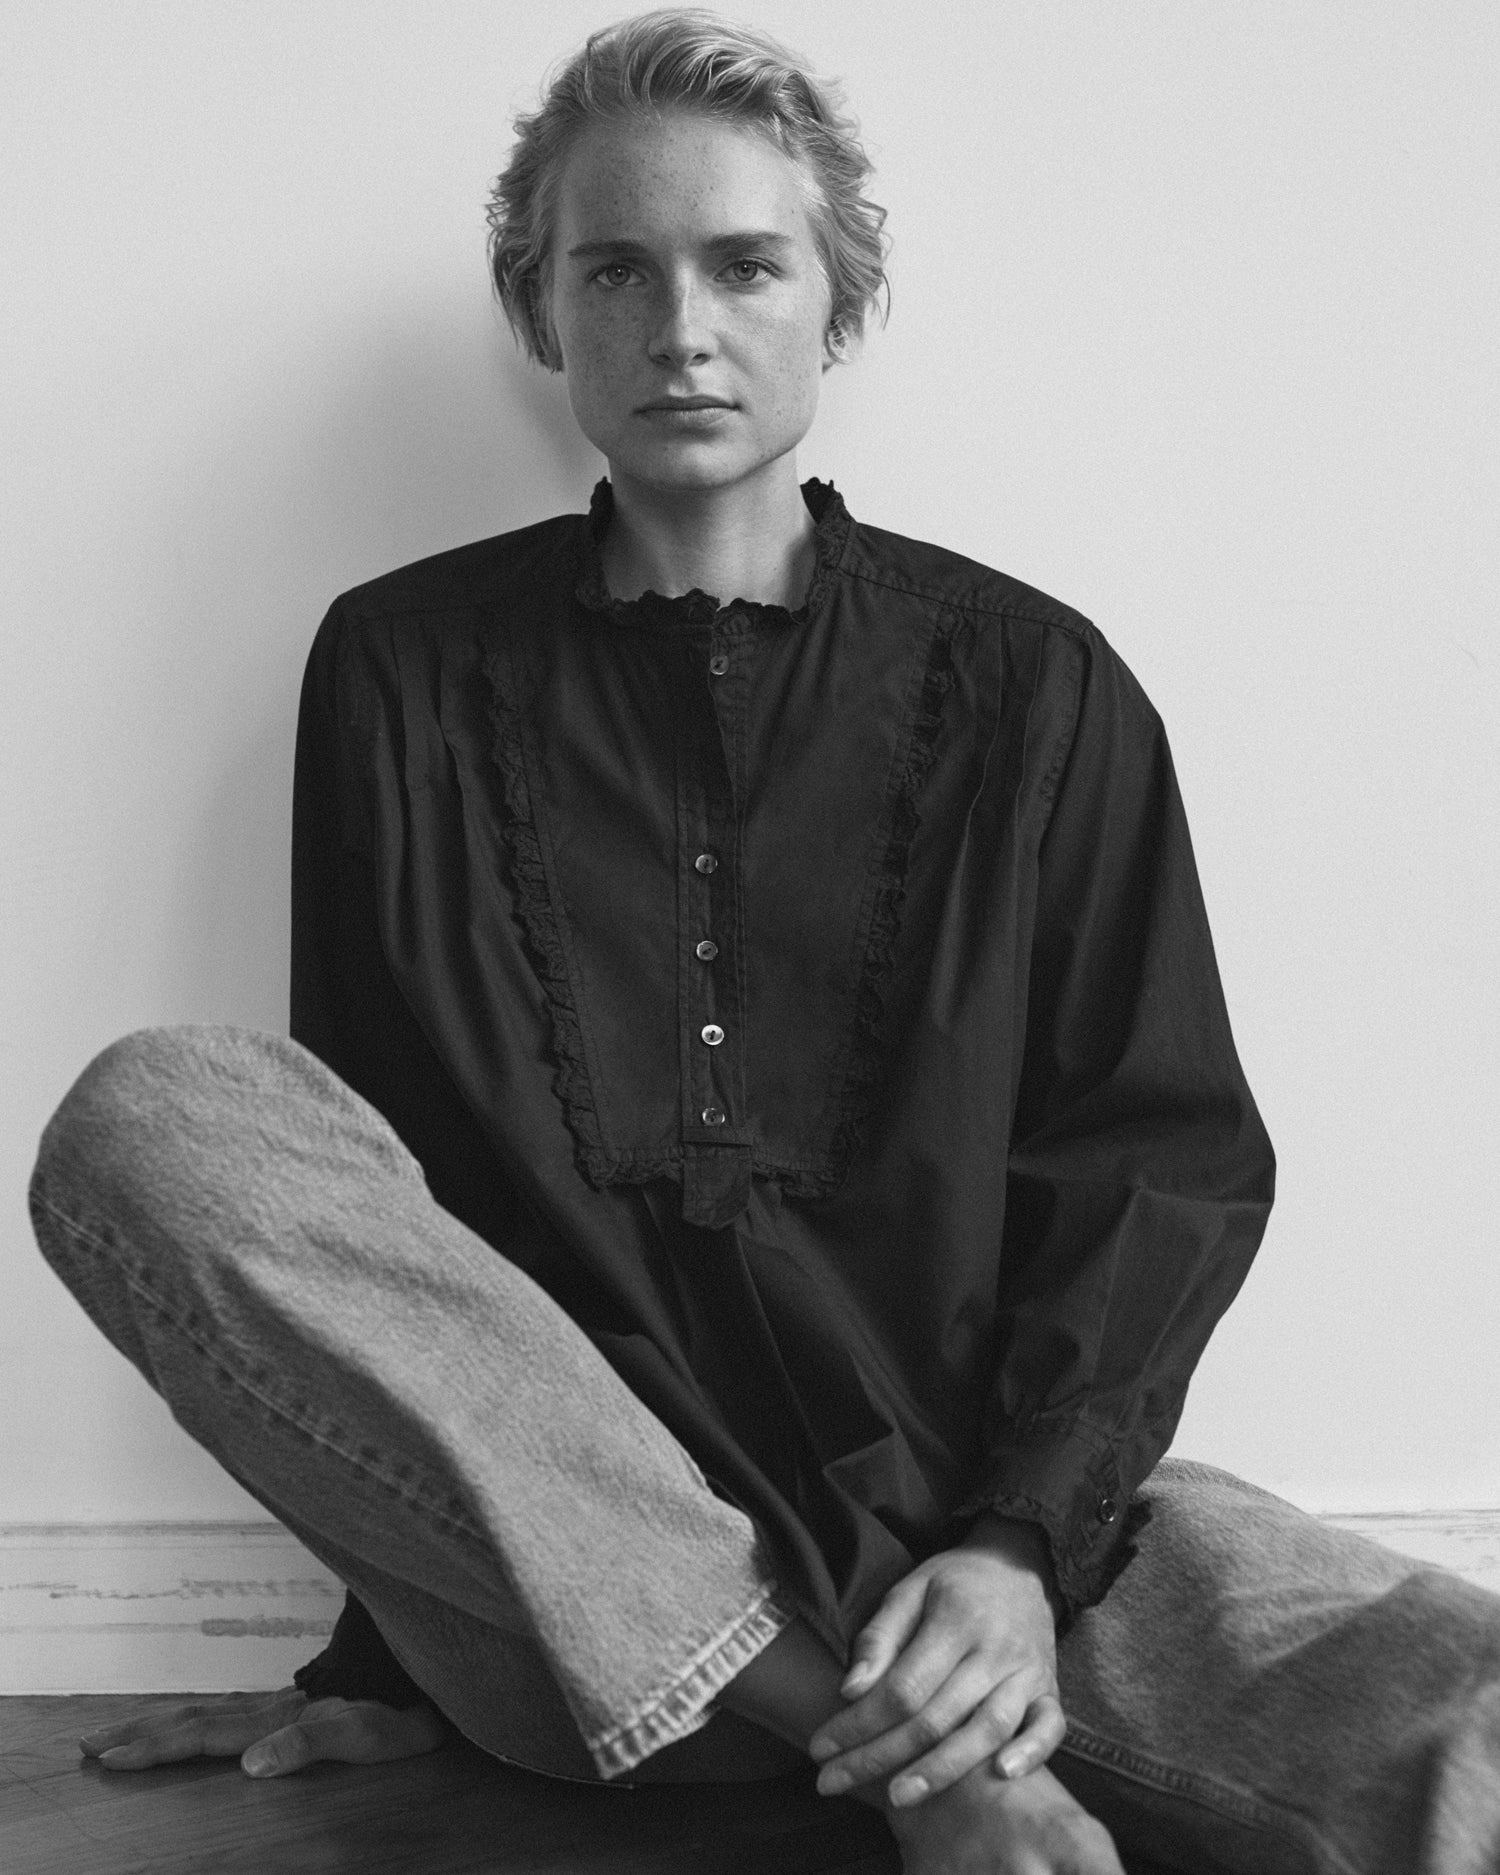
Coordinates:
(417,437)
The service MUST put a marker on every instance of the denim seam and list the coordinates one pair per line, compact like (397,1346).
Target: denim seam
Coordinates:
(680,1707)
(1242,1806)
(282,1412)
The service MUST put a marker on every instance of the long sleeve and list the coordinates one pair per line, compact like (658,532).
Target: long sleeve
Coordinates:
(1140,1177)
(995,1124)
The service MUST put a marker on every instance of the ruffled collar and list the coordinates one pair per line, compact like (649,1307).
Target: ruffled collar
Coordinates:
(656,612)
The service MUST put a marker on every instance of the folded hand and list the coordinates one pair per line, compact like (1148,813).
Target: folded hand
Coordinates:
(958,1665)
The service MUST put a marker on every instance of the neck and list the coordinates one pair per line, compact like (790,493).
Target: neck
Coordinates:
(751,543)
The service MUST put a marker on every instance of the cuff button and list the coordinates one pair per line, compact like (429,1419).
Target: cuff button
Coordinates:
(1108,1510)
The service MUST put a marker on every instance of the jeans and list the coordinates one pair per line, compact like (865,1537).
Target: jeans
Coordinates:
(1257,1693)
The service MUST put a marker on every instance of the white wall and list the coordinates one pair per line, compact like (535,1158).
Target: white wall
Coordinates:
(1193,325)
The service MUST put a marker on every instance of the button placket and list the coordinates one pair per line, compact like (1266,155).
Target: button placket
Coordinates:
(709,846)
(727,694)
(710,1090)
(717,1159)
(706,950)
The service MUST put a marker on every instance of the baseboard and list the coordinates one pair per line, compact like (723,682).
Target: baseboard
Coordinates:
(212,1607)
(184,1607)
(1465,1541)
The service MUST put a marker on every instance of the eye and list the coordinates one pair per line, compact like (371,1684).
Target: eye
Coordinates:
(746,271)
(615,273)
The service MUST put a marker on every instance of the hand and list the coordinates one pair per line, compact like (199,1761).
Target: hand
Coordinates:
(984,1825)
(959,1664)
(270,1733)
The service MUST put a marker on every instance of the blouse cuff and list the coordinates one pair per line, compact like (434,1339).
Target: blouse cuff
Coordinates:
(357,1664)
(1064,1476)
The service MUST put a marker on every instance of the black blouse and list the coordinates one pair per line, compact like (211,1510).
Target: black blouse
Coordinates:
(818,1004)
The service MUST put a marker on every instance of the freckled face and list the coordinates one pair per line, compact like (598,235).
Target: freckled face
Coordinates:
(688,302)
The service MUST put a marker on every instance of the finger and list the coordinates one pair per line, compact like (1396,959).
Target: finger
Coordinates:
(884,1635)
(903,1743)
(1044,1730)
(906,1687)
(992,1723)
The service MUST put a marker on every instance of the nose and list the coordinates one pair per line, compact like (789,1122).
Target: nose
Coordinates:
(682,333)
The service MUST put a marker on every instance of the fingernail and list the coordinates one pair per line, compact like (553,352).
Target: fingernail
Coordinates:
(855,1678)
(822,1748)
(1011,1763)
(831,1783)
(907,1790)
(114,1755)
(258,1761)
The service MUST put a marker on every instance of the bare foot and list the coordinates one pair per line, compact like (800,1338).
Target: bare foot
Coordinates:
(989,1825)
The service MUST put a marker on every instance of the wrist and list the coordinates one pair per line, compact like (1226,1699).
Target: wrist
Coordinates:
(1021,1545)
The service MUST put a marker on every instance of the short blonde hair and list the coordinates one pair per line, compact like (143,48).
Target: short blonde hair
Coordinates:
(683,58)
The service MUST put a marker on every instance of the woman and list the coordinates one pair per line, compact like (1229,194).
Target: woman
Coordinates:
(763,1149)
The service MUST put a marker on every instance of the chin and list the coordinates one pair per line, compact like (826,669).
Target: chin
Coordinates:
(689,466)
(689,469)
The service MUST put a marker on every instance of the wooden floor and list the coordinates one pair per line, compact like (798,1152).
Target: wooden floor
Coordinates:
(455,1812)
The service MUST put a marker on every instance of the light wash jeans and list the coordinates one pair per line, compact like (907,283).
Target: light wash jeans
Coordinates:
(1256,1694)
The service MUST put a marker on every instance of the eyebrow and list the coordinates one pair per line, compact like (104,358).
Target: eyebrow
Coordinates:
(763,238)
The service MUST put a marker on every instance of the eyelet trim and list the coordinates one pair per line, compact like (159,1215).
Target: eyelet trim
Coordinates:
(539,921)
(855,1098)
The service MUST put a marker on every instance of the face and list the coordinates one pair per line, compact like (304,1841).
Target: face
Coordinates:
(688,302)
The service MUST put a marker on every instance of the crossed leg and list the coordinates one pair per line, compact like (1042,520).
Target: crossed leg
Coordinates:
(540,1553)
(1256,1694)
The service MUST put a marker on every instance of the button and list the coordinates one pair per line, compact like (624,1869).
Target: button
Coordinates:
(713,1116)
(718,665)
(705,862)
(1108,1510)
(706,949)
(712,1034)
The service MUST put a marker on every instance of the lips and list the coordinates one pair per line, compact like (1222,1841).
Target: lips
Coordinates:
(687,403)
